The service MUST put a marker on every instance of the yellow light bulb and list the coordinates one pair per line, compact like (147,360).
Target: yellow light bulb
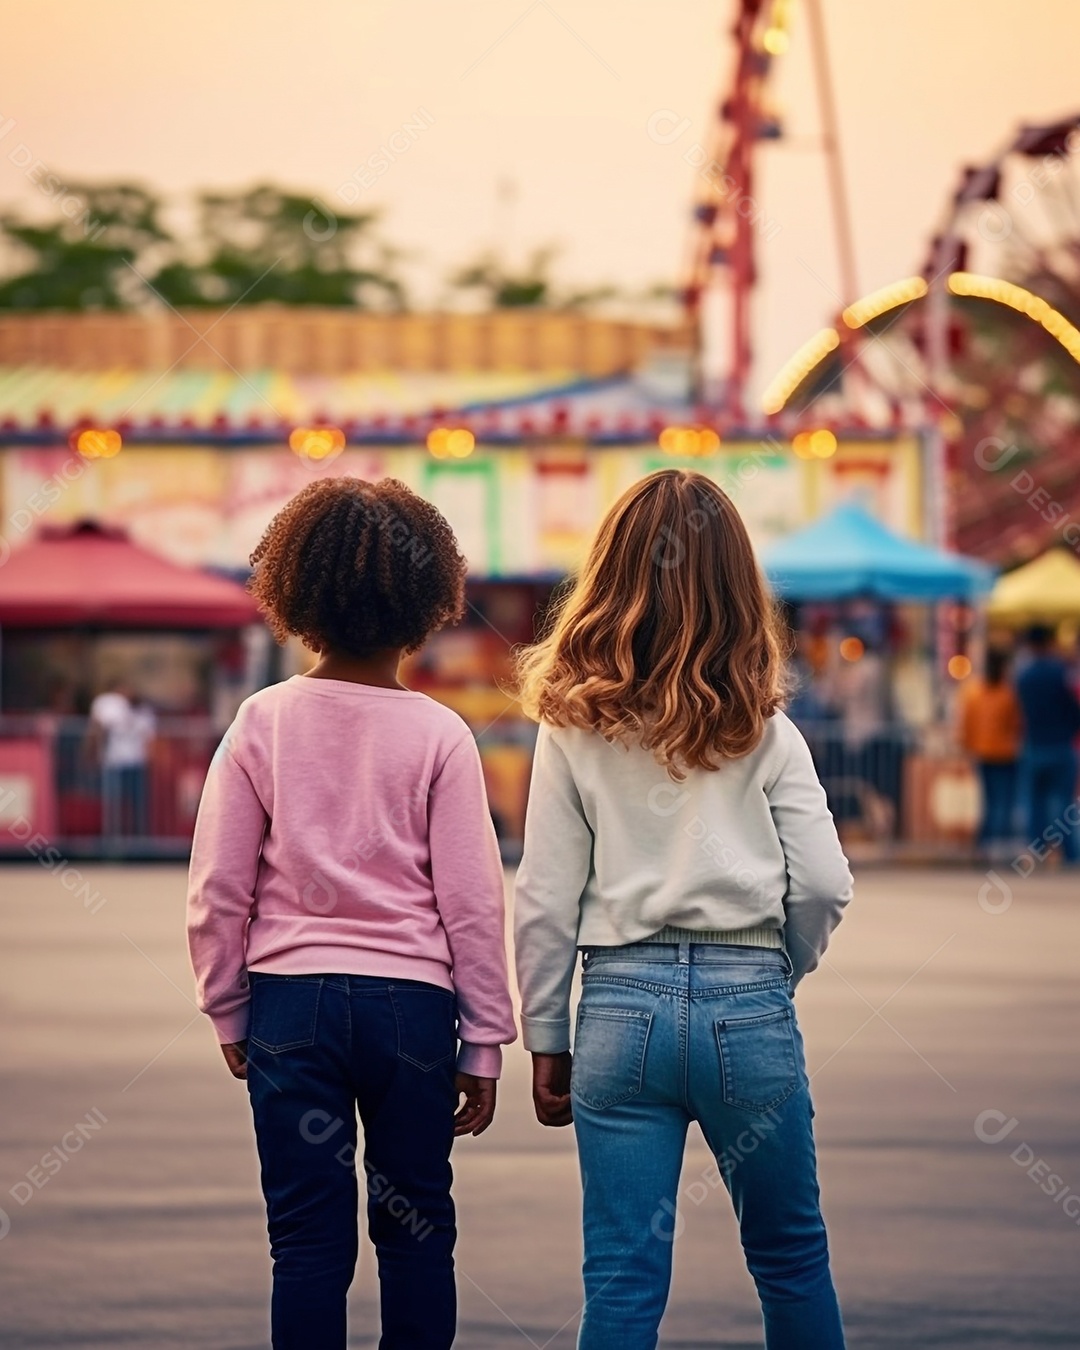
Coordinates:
(775,41)
(316,443)
(708,441)
(450,442)
(460,443)
(822,444)
(800,443)
(98,443)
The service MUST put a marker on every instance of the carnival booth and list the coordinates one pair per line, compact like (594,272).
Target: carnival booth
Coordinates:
(861,595)
(522,428)
(1043,591)
(86,612)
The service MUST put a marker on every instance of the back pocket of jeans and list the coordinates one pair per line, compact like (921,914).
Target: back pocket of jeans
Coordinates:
(609,1055)
(426,1024)
(284,1013)
(757,1059)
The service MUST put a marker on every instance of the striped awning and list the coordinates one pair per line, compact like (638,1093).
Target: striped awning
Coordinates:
(225,405)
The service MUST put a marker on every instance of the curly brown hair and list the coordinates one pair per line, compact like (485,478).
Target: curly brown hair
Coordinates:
(358,567)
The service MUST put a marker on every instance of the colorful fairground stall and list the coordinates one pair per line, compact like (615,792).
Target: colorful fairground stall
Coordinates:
(875,712)
(92,622)
(523,455)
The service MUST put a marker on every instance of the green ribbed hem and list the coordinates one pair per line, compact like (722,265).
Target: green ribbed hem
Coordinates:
(731,937)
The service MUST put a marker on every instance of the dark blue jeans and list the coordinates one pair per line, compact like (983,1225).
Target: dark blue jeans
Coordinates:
(999,802)
(125,799)
(1049,777)
(321,1049)
(667,1035)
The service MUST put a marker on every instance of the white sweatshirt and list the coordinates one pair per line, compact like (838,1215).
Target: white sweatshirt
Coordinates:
(615,852)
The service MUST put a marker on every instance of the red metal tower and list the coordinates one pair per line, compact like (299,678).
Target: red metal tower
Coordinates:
(727,217)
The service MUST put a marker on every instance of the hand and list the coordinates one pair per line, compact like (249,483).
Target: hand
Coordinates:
(478,1110)
(236,1058)
(551,1089)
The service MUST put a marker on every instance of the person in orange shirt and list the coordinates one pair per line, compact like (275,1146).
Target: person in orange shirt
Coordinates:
(990,730)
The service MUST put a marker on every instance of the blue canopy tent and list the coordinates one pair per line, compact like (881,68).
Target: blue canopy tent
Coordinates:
(849,554)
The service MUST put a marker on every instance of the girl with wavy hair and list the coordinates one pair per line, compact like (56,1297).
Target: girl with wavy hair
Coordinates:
(678,836)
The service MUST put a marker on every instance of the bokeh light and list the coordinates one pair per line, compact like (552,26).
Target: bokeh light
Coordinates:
(820,444)
(851,648)
(451,442)
(98,443)
(316,443)
(695,442)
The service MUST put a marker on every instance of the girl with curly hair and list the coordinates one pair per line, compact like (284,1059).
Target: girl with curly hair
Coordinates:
(678,836)
(345,916)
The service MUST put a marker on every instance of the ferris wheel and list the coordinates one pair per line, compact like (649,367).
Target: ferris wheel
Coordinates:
(1003,350)
(981,346)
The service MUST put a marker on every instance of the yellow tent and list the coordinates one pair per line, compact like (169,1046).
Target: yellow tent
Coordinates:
(1046,590)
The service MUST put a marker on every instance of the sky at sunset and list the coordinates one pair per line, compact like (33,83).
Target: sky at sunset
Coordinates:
(555,97)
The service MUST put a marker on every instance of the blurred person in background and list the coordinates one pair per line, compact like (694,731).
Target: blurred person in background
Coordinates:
(123,725)
(870,751)
(1048,760)
(990,730)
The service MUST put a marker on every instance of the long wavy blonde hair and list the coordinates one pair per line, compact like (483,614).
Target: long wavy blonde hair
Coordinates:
(668,637)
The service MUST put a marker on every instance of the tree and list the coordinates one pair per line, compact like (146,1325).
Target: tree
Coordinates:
(85,261)
(257,245)
(490,278)
(266,244)
(533,286)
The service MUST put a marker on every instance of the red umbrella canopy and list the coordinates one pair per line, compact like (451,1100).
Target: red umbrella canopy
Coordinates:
(90,574)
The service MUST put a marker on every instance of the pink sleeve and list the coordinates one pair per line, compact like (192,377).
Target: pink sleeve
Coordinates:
(221,892)
(467,874)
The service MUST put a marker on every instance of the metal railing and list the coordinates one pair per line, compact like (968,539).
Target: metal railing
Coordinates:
(57,785)
(897,790)
(900,792)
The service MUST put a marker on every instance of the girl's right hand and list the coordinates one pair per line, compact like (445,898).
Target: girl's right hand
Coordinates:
(551,1089)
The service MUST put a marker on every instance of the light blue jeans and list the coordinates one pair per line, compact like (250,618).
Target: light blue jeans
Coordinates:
(667,1034)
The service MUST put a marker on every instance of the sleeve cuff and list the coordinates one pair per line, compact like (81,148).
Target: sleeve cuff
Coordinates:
(542,1036)
(485,1061)
(232,1026)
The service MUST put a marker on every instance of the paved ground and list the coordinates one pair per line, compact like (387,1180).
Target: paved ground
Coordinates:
(147,1229)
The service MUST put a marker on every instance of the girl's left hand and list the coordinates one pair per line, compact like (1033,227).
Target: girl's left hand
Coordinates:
(478,1109)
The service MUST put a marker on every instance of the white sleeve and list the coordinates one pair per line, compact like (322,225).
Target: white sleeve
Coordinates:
(554,869)
(819,879)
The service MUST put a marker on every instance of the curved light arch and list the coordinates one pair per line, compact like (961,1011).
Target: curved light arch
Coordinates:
(1023,301)
(800,366)
(796,369)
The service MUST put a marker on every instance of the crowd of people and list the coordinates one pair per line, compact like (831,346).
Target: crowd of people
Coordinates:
(1021,732)
(1018,721)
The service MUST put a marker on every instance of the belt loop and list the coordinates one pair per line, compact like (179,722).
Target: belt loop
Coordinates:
(684,951)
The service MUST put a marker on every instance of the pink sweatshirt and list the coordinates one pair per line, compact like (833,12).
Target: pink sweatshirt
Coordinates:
(344,829)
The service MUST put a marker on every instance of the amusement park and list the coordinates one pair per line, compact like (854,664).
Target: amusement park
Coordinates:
(846,292)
